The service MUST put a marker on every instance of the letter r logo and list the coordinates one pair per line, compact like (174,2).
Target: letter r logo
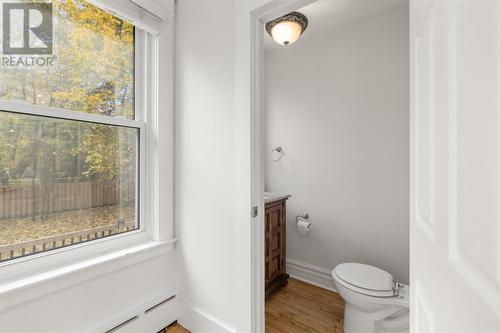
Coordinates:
(27,28)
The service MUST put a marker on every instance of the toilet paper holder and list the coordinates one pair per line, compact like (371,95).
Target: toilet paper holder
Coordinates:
(303,224)
(304,216)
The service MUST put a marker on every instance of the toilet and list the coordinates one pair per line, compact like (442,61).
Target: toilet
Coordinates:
(374,302)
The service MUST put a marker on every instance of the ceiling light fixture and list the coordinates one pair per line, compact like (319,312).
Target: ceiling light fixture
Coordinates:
(285,30)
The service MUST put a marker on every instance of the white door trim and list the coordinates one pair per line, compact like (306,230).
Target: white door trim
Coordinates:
(258,17)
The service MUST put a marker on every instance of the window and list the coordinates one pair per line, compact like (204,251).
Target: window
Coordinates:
(70,135)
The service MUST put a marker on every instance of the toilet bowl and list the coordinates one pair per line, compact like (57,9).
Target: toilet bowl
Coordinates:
(374,302)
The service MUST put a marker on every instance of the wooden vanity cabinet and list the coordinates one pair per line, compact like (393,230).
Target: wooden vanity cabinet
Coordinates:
(275,251)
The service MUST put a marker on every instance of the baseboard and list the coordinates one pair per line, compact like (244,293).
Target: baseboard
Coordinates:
(318,276)
(198,321)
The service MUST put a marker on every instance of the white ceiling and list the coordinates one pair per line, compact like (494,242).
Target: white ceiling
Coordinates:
(329,14)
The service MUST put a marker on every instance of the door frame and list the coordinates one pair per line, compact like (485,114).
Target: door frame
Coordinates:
(258,17)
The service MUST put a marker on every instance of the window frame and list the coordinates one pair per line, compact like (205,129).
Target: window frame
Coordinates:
(145,114)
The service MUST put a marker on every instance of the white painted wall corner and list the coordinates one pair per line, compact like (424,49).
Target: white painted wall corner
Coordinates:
(196,320)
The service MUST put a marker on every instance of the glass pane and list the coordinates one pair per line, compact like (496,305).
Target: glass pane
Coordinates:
(64,182)
(93,66)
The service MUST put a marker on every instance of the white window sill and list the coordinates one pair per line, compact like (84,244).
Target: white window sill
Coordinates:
(21,290)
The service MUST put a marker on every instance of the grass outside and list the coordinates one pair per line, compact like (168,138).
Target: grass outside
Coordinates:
(18,230)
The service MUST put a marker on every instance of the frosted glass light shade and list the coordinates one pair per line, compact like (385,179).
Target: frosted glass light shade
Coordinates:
(287,29)
(286,32)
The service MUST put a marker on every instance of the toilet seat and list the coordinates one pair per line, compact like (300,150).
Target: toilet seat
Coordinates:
(364,279)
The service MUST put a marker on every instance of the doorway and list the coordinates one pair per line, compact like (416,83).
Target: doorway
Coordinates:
(361,134)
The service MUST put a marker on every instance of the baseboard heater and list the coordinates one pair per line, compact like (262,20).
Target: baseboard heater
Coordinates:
(117,327)
(159,304)
(151,316)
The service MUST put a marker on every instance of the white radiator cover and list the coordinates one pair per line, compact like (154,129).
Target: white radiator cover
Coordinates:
(151,316)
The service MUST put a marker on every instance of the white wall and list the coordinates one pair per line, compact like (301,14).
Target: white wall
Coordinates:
(213,221)
(338,104)
(204,155)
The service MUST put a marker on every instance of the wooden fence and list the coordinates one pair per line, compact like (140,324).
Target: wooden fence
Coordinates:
(48,243)
(20,201)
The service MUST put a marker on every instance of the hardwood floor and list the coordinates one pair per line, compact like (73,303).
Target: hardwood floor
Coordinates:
(301,307)
(298,307)
(175,328)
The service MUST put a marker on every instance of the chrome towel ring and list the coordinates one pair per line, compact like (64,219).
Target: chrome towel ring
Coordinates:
(279,150)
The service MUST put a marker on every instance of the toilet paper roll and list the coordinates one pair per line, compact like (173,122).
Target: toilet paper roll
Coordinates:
(304,226)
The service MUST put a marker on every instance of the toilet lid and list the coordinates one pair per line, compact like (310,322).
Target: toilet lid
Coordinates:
(365,276)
